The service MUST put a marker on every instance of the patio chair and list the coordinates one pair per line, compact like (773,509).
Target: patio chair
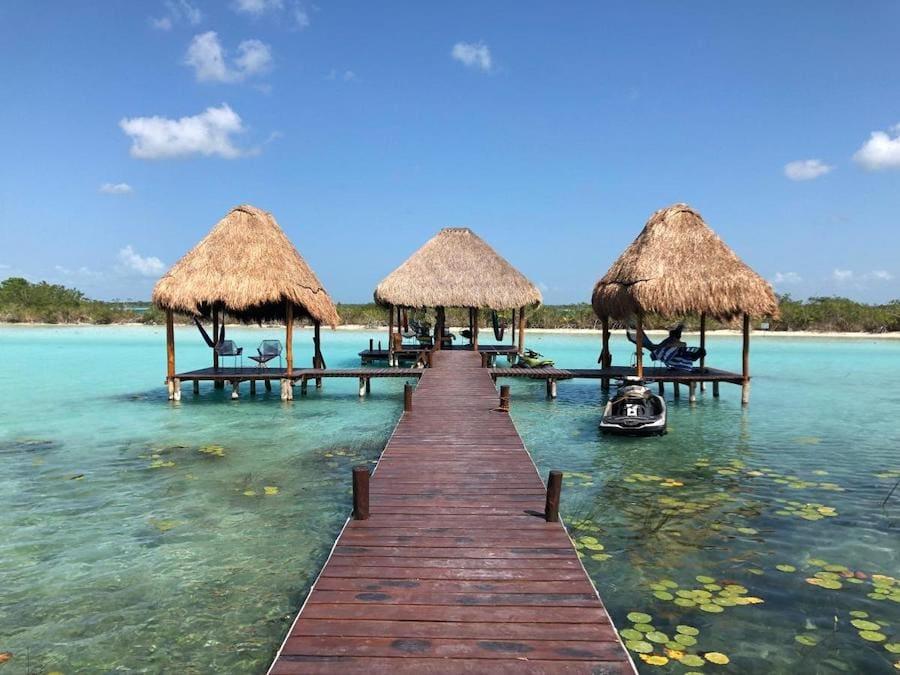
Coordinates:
(268,350)
(229,348)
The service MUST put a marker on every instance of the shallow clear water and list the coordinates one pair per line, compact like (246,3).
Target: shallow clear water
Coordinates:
(139,534)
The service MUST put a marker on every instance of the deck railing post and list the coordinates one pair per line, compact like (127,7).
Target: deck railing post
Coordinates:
(703,347)
(360,493)
(504,398)
(407,397)
(554,488)
(745,365)
(605,356)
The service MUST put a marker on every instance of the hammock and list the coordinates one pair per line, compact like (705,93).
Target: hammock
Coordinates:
(499,328)
(206,338)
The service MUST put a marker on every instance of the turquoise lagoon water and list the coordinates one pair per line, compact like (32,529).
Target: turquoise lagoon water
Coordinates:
(139,535)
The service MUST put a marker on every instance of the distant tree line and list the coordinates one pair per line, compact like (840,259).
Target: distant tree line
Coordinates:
(24,302)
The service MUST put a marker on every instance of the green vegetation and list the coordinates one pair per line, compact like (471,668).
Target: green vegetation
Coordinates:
(25,302)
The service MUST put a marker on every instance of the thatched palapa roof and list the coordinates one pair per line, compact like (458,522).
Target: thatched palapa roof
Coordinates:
(247,266)
(457,268)
(677,266)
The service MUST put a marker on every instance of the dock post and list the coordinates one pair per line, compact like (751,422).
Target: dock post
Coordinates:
(605,356)
(676,391)
(235,389)
(253,387)
(703,347)
(716,389)
(170,353)
(287,389)
(662,388)
(362,387)
(319,361)
(303,386)
(504,398)
(360,493)
(551,387)
(368,385)
(745,371)
(371,344)
(407,397)
(692,392)
(268,384)
(196,384)
(554,488)
(176,383)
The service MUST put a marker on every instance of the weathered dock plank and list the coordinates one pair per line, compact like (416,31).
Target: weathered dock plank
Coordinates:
(456,569)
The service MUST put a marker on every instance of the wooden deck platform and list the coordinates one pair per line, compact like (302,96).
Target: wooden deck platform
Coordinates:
(412,352)
(619,372)
(456,570)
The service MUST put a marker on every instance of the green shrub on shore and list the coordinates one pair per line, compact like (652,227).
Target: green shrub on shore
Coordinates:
(24,302)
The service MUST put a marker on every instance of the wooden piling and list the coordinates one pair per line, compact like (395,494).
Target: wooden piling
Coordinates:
(407,397)
(476,312)
(360,493)
(317,342)
(676,391)
(217,322)
(715,389)
(554,489)
(662,388)
(703,346)
(521,330)
(196,384)
(605,356)
(170,353)
(639,348)
(692,392)
(745,370)
(235,389)
(551,387)
(362,387)
(390,336)
(504,398)
(176,385)
(289,336)
(253,387)
(268,384)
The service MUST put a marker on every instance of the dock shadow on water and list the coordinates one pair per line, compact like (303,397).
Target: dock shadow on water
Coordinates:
(145,536)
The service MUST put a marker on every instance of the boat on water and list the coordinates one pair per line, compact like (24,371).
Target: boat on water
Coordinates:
(634,411)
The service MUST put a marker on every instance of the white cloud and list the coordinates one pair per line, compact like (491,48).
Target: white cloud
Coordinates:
(787,278)
(879,275)
(257,7)
(881,151)
(177,11)
(131,261)
(842,275)
(208,133)
(806,169)
(116,189)
(301,16)
(209,60)
(473,55)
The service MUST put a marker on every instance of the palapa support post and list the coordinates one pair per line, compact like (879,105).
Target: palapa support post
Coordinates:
(521,330)
(268,384)
(368,385)
(390,335)
(170,353)
(692,392)
(551,387)
(476,312)
(362,387)
(715,389)
(703,347)
(289,336)
(605,356)
(504,398)
(303,386)
(554,489)
(662,388)
(176,385)
(676,391)
(287,390)
(317,342)
(360,493)
(440,319)
(639,347)
(745,371)
(253,387)
(196,384)
(217,384)
(471,328)
(407,397)
(235,389)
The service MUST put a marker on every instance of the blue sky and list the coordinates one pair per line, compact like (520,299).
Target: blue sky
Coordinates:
(552,129)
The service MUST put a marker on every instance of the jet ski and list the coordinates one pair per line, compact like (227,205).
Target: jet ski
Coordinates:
(634,411)
(531,359)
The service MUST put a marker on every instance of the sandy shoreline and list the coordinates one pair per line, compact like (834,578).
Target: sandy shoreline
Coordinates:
(487,331)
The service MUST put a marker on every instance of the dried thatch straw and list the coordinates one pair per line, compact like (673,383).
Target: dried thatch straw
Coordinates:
(677,266)
(457,268)
(247,266)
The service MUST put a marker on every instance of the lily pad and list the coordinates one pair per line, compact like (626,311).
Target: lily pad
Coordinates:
(862,624)
(692,661)
(270,490)
(705,580)
(631,634)
(639,646)
(859,614)
(663,595)
(717,657)
(656,660)
(657,636)
(893,647)
(639,617)
(807,640)
(785,568)
(711,608)
(872,636)
(687,630)
(686,640)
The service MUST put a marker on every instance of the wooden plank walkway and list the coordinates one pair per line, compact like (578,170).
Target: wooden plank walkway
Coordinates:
(244,374)
(651,374)
(456,570)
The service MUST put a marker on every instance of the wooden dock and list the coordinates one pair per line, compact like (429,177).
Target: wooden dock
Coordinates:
(414,352)
(456,570)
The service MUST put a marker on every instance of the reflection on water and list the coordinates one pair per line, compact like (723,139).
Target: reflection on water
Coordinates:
(147,535)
